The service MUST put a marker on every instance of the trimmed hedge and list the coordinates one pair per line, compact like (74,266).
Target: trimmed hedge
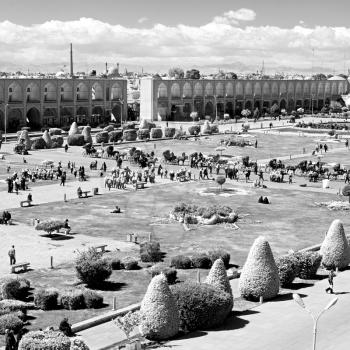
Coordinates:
(55,131)
(76,140)
(108,128)
(78,344)
(150,252)
(38,143)
(10,288)
(201,261)
(219,253)
(92,300)
(14,305)
(194,130)
(44,340)
(200,305)
(72,299)
(169,132)
(181,262)
(309,263)
(57,141)
(130,263)
(128,126)
(115,263)
(130,135)
(143,134)
(115,136)
(169,273)
(214,129)
(288,269)
(46,299)
(10,321)
(156,133)
(102,137)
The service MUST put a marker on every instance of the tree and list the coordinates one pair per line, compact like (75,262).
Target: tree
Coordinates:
(73,130)
(246,113)
(274,108)
(335,249)
(193,74)
(259,276)
(47,138)
(319,76)
(231,75)
(194,116)
(87,134)
(49,226)
(159,312)
(346,191)
(176,72)
(220,180)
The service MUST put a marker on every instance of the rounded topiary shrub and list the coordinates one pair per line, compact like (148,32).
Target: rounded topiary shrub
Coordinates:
(335,250)
(38,143)
(12,305)
(76,140)
(92,300)
(218,277)
(115,136)
(115,263)
(168,272)
(214,129)
(201,261)
(143,134)
(205,128)
(46,299)
(10,288)
(10,321)
(146,124)
(130,263)
(194,130)
(259,276)
(87,134)
(57,141)
(169,132)
(44,340)
(72,299)
(181,262)
(130,135)
(201,306)
(55,131)
(91,268)
(309,263)
(78,344)
(156,133)
(24,138)
(219,253)
(159,313)
(102,137)
(47,138)
(150,252)
(288,269)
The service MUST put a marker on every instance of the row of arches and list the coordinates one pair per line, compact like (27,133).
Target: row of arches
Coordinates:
(66,92)
(51,117)
(209,108)
(188,90)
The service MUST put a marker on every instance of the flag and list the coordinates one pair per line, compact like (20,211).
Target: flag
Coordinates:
(113,119)
(27,120)
(93,92)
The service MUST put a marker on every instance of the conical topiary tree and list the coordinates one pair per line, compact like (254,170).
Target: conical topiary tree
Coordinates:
(335,250)
(218,277)
(159,312)
(73,129)
(259,276)
(87,134)
(27,142)
(47,139)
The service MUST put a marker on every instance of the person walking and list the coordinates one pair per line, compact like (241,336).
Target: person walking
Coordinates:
(325,147)
(347,143)
(10,341)
(66,148)
(347,177)
(256,144)
(331,276)
(12,255)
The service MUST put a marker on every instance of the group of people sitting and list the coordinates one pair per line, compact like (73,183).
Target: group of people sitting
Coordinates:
(6,218)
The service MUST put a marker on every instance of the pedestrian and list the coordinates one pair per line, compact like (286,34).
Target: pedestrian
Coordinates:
(347,143)
(12,255)
(290,178)
(29,197)
(10,341)
(256,144)
(66,148)
(347,177)
(261,178)
(325,147)
(331,276)
(63,178)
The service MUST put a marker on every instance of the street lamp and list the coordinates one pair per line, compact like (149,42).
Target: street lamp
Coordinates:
(315,319)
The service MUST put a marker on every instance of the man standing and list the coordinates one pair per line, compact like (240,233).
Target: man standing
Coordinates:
(12,255)
(331,275)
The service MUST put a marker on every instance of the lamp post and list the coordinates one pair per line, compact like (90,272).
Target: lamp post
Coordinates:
(121,114)
(315,319)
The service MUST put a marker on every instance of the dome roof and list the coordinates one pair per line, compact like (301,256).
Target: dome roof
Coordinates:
(60,74)
(113,71)
(337,77)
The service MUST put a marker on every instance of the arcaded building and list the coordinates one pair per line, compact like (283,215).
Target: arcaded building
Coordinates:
(176,99)
(52,102)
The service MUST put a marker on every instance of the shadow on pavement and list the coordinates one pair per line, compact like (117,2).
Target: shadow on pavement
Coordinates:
(299,285)
(110,286)
(285,297)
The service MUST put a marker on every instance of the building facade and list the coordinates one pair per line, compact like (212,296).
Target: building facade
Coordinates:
(176,99)
(60,101)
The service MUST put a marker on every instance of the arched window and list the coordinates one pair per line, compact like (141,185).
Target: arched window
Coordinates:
(229,89)
(290,89)
(96,92)
(66,92)
(239,89)
(274,89)
(209,90)
(116,92)
(220,90)
(82,92)
(266,89)
(298,89)
(15,93)
(248,89)
(198,90)
(33,93)
(187,90)
(257,89)
(175,91)
(283,89)
(162,91)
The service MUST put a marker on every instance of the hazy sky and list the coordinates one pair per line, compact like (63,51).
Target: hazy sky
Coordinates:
(160,33)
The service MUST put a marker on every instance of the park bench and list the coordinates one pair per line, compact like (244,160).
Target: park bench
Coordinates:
(84,194)
(24,266)
(65,230)
(26,202)
(140,185)
(101,247)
